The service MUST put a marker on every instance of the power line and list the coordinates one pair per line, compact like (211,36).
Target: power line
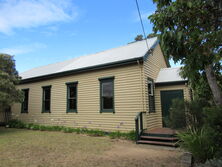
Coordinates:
(141,21)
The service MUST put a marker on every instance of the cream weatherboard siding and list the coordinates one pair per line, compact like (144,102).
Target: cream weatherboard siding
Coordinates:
(152,66)
(127,99)
(186,93)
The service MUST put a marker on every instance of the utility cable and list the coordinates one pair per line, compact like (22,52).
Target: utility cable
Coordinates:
(141,21)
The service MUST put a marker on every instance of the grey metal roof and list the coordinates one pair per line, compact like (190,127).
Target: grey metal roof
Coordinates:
(123,53)
(169,75)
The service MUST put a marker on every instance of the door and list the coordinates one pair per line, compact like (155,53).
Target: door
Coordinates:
(166,102)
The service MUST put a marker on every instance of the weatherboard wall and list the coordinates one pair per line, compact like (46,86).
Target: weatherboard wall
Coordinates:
(127,98)
(184,87)
(152,65)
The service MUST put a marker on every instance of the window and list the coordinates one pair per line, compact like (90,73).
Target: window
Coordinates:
(151,98)
(107,94)
(25,101)
(71,97)
(150,87)
(46,99)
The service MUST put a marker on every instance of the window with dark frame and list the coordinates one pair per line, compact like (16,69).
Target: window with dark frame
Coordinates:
(71,97)
(25,102)
(107,94)
(151,98)
(46,102)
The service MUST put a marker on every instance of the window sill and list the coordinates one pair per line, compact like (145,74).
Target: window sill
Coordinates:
(46,112)
(24,112)
(71,111)
(107,111)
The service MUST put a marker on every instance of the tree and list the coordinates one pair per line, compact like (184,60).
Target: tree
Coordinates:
(139,38)
(191,31)
(9,78)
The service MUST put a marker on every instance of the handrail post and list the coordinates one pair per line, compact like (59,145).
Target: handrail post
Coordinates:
(137,129)
(139,125)
(141,122)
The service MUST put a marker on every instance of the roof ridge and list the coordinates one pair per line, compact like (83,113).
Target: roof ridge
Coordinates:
(116,47)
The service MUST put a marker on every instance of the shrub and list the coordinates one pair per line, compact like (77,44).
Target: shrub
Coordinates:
(213,119)
(68,130)
(177,118)
(16,124)
(92,132)
(195,112)
(115,135)
(120,135)
(96,133)
(131,135)
(212,163)
(186,113)
(200,142)
(29,125)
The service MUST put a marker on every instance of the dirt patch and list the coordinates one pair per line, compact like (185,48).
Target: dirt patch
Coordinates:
(52,149)
(128,154)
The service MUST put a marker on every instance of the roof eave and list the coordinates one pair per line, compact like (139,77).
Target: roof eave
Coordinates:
(169,83)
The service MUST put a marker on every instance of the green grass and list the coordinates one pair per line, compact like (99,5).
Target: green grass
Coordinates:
(31,148)
(35,148)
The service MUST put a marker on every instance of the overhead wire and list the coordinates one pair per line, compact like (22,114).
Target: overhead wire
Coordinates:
(141,21)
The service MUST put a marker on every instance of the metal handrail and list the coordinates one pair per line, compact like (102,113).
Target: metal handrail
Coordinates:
(139,125)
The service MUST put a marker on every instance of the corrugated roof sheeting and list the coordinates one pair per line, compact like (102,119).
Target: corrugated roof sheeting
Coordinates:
(169,75)
(127,52)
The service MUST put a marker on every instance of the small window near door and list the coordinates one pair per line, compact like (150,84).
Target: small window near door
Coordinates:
(71,97)
(107,94)
(150,87)
(25,101)
(151,98)
(46,101)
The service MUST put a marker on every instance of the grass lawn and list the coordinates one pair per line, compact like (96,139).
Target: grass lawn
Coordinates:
(20,148)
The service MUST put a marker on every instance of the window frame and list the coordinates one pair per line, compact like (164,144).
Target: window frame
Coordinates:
(152,109)
(43,101)
(151,82)
(103,80)
(22,104)
(68,85)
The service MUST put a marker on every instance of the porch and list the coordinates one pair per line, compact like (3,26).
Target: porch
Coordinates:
(157,136)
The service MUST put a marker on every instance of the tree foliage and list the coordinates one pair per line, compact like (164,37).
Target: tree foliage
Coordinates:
(139,38)
(8,79)
(191,32)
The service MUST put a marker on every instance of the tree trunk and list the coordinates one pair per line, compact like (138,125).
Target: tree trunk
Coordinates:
(212,81)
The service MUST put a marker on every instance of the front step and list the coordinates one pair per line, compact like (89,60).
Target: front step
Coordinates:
(159,138)
(157,143)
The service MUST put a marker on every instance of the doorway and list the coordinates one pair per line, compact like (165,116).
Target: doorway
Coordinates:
(166,102)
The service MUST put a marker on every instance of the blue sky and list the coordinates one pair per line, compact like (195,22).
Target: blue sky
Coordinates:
(40,32)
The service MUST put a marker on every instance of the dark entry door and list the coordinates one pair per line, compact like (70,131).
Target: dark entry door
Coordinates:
(166,102)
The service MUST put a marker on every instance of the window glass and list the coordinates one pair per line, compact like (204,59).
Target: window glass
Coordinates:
(25,101)
(151,98)
(107,95)
(72,97)
(46,99)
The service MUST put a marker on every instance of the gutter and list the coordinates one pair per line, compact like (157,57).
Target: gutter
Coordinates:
(171,83)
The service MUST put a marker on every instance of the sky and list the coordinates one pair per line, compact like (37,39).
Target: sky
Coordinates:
(41,32)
